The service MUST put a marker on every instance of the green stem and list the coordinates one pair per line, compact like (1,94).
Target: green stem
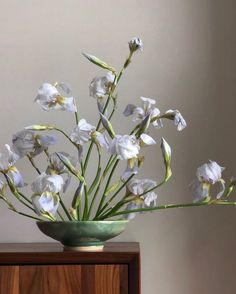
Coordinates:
(68,138)
(76,118)
(172,206)
(92,142)
(27,215)
(93,185)
(115,194)
(60,215)
(64,208)
(23,196)
(106,187)
(85,213)
(16,193)
(33,164)
(108,165)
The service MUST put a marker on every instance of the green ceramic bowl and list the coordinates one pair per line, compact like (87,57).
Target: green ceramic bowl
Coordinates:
(82,235)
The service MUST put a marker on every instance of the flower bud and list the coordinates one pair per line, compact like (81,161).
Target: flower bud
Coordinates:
(107,125)
(166,152)
(40,127)
(135,44)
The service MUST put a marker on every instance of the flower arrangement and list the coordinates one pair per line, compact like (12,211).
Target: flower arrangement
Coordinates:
(102,198)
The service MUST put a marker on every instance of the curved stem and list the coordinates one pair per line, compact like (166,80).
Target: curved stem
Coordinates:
(33,164)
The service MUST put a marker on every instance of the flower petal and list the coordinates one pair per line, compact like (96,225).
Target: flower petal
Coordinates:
(147,140)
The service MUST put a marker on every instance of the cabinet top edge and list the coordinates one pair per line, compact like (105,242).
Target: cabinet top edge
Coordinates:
(110,247)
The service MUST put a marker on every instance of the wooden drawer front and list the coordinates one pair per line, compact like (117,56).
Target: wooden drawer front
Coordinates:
(64,279)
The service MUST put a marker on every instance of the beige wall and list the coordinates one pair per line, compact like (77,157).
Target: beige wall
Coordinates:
(188,63)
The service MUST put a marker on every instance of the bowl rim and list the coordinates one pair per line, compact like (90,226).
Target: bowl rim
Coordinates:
(87,221)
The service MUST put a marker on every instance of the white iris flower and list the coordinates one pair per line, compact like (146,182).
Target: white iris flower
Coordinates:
(7,166)
(140,113)
(49,98)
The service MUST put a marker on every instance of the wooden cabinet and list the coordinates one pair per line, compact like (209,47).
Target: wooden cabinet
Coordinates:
(41,268)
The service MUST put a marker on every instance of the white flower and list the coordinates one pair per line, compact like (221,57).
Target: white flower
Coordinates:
(47,183)
(82,133)
(135,44)
(46,202)
(57,166)
(125,147)
(28,143)
(50,98)
(207,174)
(7,165)
(100,86)
(140,113)
(175,115)
(138,187)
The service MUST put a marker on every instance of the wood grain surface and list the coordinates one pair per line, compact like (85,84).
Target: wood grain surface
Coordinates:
(64,279)
(9,280)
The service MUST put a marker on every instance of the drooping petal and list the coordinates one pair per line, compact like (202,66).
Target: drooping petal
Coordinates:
(175,115)
(129,172)
(46,202)
(11,156)
(131,206)
(147,102)
(200,190)
(129,110)
(147,140)
(138,187)
(150,199)
(16,177)
(102,140)
(47,140)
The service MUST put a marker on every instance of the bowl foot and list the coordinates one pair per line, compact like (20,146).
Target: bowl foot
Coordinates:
(84,248)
